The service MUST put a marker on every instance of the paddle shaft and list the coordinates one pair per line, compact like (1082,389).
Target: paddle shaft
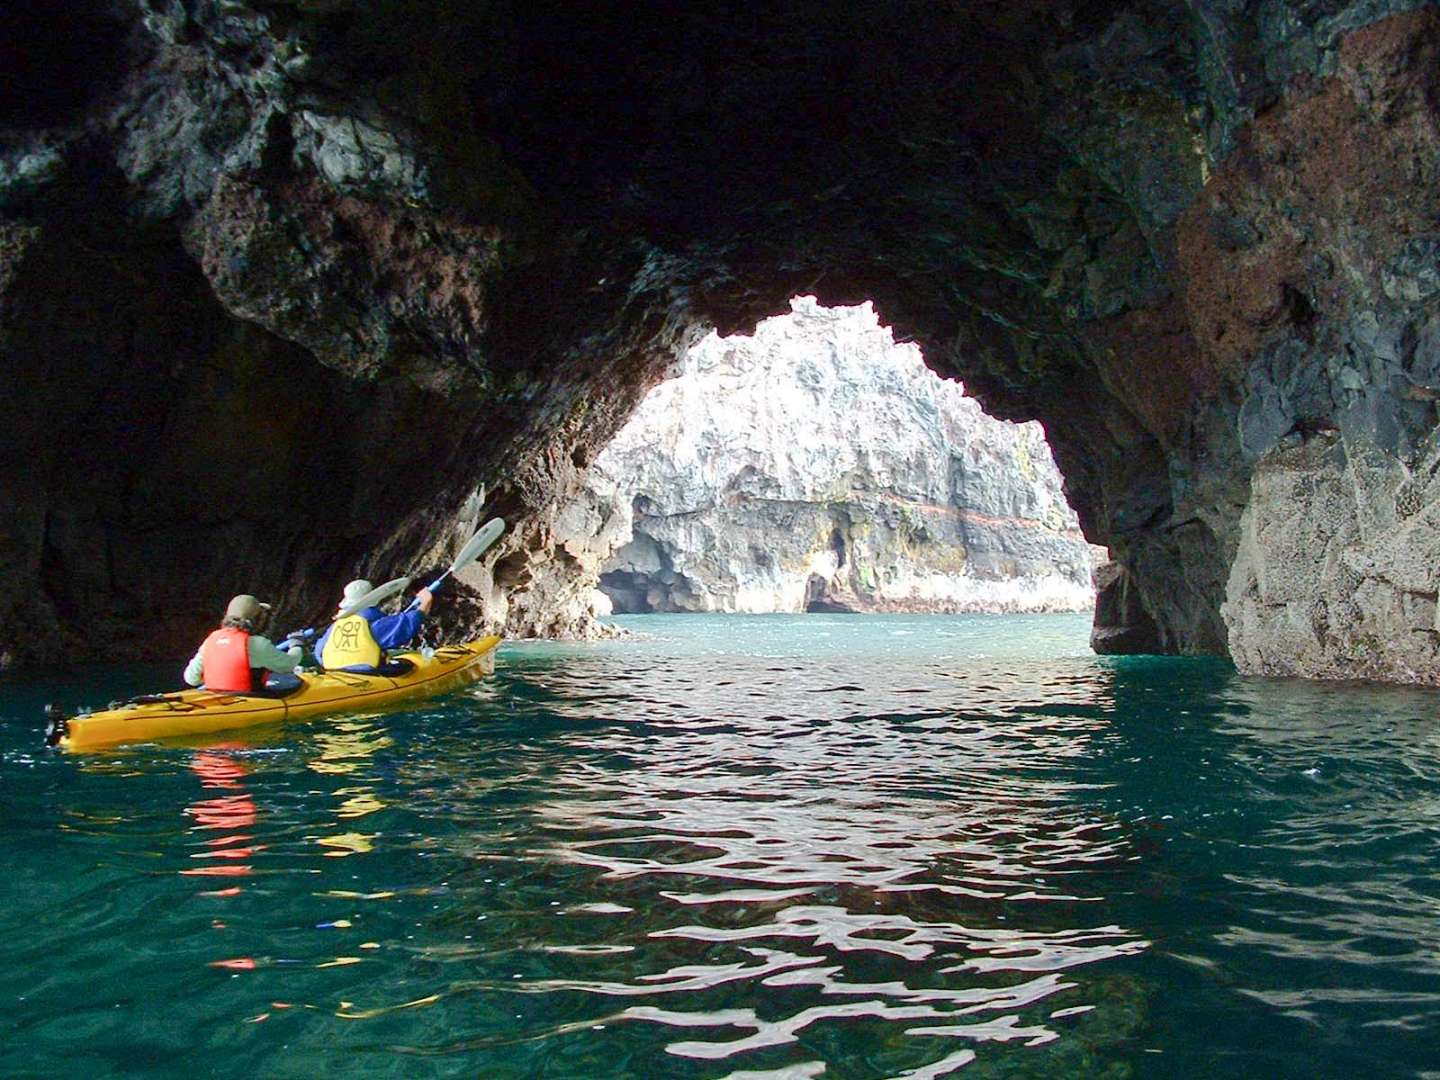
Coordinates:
(377,595)
(484,536)
(415,604)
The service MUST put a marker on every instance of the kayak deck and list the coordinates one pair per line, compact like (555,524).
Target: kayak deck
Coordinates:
(202,712)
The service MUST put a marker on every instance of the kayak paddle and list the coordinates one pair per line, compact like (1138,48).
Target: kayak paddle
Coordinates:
(374,598)
(486,535)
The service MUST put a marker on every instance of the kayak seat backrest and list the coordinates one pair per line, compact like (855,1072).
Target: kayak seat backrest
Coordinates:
(278,686)
(389,668)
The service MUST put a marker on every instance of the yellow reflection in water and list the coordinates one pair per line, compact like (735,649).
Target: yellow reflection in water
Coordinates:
(349,1012)
(358,801)
(347,746)
(343,844)
(346,749)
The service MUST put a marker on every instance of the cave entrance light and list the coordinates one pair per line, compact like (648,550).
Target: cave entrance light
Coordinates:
(818,465)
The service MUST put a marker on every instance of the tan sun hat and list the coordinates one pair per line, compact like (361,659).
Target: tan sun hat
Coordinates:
(246,608)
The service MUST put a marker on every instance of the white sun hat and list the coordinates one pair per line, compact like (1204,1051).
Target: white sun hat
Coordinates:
(354,591)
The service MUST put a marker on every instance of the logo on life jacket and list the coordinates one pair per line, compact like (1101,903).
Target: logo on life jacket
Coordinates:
(351,643)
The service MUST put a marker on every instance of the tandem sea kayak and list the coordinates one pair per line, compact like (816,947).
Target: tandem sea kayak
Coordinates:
(203,712)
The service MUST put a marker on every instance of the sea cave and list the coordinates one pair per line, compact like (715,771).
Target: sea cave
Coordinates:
(291,291)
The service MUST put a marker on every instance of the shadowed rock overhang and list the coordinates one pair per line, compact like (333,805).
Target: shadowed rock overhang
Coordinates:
(292,290)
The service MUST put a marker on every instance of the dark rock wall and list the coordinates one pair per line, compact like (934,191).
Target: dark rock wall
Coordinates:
(304,277)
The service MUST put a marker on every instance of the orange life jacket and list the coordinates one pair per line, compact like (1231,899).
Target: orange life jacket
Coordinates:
(225,661)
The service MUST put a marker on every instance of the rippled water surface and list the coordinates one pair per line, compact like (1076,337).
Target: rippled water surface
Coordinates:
(782,847)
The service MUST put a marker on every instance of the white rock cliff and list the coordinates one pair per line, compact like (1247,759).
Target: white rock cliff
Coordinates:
(821,466)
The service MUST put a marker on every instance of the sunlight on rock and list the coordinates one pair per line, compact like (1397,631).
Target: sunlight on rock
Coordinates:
(821,466)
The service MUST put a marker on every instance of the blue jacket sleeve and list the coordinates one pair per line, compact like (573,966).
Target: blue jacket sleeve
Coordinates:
(392,631)
(320,641)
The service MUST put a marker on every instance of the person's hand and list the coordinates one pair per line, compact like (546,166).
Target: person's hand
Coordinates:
(295,652)
(424,598)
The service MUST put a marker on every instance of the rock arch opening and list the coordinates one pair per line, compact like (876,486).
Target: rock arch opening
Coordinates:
(819,466)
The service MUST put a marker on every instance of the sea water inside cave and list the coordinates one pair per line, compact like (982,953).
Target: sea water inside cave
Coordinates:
(770,846)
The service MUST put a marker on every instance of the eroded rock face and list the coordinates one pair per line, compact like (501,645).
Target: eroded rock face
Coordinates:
(1337,566)
(247,330)
(820,466)
(284,285)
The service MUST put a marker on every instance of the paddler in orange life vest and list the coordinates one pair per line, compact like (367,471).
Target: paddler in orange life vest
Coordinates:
(235,658)
(358,642)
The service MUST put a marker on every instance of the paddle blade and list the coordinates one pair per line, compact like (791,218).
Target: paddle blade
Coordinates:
(486,535)
(375,596)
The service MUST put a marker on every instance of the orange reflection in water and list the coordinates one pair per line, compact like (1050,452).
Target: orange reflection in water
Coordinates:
(231,814)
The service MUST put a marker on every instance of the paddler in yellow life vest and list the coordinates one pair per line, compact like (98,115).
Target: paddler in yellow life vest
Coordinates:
(359,642)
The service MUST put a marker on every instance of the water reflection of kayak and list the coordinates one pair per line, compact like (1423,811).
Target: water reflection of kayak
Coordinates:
(202,712)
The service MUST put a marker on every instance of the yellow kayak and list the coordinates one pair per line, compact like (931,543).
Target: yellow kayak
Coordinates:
(203,712)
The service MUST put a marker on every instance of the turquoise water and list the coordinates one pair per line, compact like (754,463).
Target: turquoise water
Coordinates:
(781,847)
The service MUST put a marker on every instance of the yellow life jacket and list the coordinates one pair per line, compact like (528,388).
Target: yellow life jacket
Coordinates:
(351,643)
